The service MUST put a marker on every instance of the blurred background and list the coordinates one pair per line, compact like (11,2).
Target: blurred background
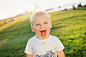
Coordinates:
(68,20)
(9,8)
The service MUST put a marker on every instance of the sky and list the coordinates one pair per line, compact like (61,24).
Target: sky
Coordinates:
(9,8)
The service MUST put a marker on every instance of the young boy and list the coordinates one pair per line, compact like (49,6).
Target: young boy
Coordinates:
(43,44)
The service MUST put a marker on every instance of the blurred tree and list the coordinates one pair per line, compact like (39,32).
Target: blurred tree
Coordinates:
(79,5)
(59,7)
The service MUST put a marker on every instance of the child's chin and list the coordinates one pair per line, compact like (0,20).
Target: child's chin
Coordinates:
(44,35)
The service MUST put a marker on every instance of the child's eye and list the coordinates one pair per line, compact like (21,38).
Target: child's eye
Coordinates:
(45,22)
(37,24)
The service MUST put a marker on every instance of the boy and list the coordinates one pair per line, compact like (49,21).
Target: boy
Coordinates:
(43,44)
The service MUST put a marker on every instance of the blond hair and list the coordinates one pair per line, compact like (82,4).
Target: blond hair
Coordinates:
(38,13)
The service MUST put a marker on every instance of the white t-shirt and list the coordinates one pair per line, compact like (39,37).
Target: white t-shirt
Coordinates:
(44,48)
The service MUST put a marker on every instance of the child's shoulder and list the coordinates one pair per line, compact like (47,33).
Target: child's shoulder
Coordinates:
(53,37)
(32,39)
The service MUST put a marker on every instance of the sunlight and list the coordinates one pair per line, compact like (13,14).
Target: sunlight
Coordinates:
(14,7)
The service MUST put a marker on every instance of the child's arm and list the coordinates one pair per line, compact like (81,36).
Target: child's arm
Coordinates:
(28,55)
(60,54)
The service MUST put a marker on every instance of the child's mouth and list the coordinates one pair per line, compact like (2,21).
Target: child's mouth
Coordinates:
(43,32)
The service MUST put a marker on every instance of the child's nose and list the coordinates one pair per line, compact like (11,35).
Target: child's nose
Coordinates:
(42,26)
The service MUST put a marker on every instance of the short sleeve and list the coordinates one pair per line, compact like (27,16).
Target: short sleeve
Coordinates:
(59,45)
(28,49)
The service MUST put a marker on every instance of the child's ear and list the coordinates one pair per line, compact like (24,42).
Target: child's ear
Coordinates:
(32,29)
(50,24)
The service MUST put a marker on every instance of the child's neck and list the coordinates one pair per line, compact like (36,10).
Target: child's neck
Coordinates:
(42,38)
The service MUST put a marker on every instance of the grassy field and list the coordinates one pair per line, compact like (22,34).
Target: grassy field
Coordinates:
(68,26)
(3,22)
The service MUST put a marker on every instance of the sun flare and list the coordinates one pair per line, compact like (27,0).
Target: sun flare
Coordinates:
(13,7)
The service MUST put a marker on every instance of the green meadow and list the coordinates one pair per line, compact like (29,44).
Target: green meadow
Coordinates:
(68,26)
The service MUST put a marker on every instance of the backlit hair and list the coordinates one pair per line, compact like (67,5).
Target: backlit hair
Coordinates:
(38,13)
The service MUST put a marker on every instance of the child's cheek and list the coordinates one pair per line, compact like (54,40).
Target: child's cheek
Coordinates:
(37,28)
(47,25)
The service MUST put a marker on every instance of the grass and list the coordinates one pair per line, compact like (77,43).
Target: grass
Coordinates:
(68,26)
(3,22)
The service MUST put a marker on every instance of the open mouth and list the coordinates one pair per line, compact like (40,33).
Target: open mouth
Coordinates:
(43,32)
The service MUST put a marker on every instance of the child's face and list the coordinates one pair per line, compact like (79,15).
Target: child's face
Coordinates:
(41,26)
